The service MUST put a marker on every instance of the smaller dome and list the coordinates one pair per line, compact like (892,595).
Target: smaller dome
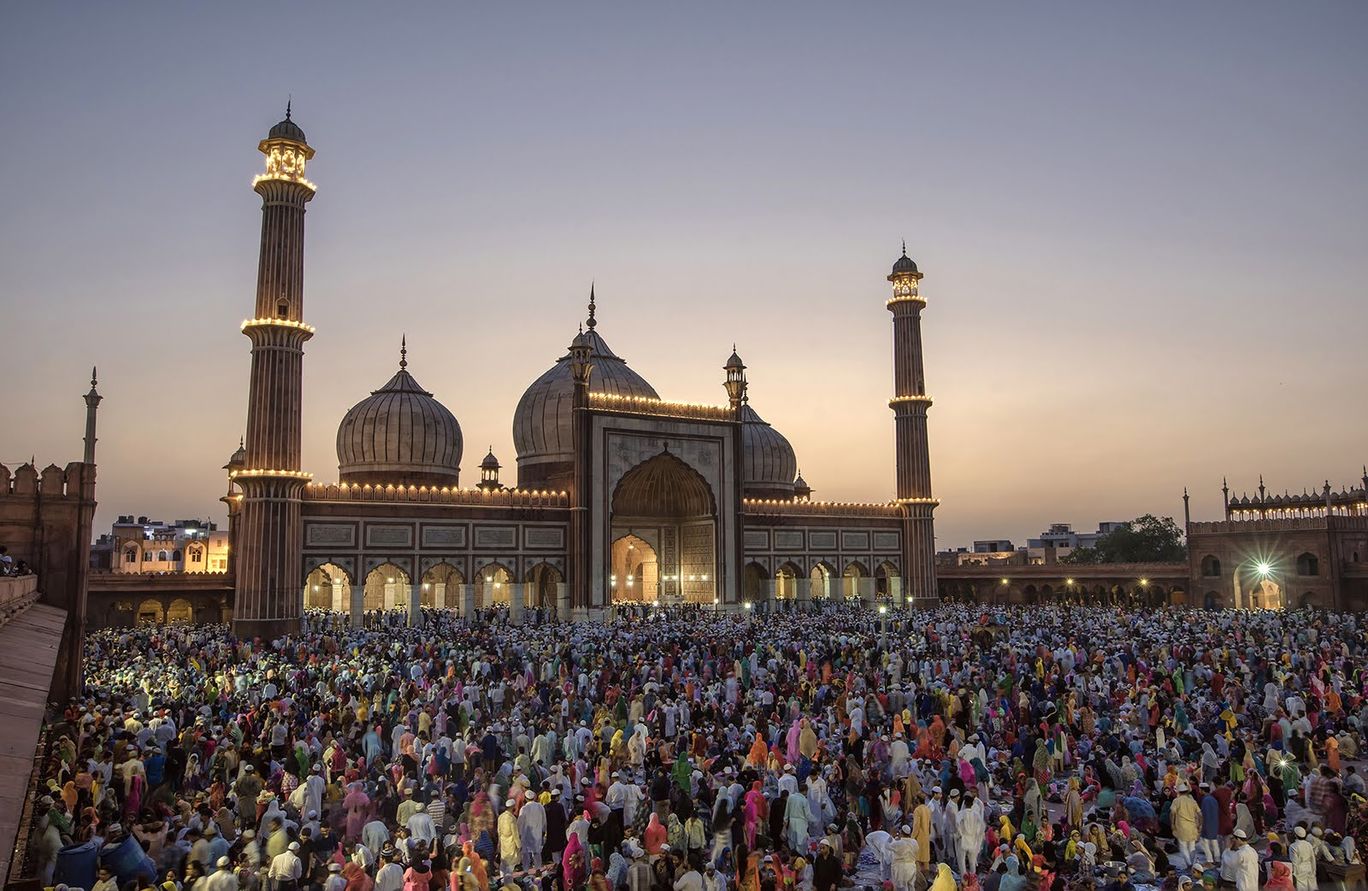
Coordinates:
(239,458)
(768,463)
(734,361)
(490,462)
(401,435)
(904,264)
(287,129)
(800,487)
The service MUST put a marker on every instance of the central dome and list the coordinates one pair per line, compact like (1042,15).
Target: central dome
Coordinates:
(399,435)
(541,423)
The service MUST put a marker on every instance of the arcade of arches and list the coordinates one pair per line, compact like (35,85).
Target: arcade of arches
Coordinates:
(853,583)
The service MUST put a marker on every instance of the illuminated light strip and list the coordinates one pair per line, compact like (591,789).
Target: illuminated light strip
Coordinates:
(278,323)
(900,399)
(918,501)
(291,474)
(817,505)
(283,178)
(908,298)
(471,493)
(646,403)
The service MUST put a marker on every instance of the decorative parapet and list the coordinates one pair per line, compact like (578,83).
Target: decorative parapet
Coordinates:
(775,507)
(436,495)
(52,482)
(1295,524)
(644,405)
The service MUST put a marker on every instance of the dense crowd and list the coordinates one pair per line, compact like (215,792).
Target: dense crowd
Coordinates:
(958,748)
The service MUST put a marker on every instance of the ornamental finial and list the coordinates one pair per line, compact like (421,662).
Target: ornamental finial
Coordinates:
(591,323)
(403,351)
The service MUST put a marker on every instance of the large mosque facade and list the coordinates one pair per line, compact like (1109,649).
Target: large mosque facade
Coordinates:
(621,495)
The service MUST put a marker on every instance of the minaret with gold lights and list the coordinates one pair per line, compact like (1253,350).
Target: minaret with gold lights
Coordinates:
(913,459)
(268,577)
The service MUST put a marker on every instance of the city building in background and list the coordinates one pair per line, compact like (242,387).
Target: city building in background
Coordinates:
(143,545)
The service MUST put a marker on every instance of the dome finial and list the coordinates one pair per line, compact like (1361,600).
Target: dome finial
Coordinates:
(289,101)
(591,323)
(403,351)
(904,241)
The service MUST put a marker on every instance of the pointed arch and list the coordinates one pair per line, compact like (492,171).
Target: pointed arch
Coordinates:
(386,588)
(440,586)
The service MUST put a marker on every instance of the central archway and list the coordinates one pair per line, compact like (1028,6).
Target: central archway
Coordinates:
(667,501)
(635,573)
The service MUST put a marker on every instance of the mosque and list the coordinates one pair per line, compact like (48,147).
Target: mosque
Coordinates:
(621,495)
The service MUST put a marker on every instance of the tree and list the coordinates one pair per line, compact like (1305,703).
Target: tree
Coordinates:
(1147,539)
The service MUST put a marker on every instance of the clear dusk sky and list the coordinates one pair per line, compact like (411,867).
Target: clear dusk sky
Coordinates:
(1144,230)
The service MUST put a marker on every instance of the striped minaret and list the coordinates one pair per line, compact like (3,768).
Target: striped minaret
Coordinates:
(913,458)
(268,577)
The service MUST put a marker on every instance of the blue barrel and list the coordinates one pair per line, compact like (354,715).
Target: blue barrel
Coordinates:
(76,865)
(128,861)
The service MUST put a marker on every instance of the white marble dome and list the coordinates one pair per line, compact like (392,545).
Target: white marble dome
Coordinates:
(541,423)
(768,463)
(399,435)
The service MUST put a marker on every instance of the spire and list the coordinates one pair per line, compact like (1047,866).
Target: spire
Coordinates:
(289,100)
(403,351)
(92,401)
(904,241)
(591,323)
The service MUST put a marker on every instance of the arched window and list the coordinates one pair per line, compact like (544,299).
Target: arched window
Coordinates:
(161,555)
(282,308)
(1211,566)
(176,555)
(195,555)
(1308,564)
(149,556)
(131,555)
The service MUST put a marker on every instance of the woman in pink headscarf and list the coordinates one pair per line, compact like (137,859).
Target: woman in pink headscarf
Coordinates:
(357,806)
(1279,876)
(655,835)
(792,741)
(573,869)
(755,812)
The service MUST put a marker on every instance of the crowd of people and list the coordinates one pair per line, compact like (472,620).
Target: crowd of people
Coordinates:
(956,748)
(11,566)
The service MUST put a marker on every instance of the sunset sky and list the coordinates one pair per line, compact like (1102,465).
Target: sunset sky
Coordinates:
(1144,231)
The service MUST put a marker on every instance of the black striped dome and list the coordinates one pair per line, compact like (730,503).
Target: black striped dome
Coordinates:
(541,423)
(399,435)
(768,462)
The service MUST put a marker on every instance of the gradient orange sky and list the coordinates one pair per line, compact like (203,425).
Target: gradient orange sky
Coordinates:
(1142,230)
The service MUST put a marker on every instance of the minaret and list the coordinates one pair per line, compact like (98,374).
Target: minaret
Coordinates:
(913,458)
(1187,511)
(580,566)
(92,401)
(268,580)
(735,383)
(489,472)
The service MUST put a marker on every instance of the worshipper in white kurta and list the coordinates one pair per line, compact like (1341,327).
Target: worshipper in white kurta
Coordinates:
(972,824)
(904,851)
(797,817)
(532,832)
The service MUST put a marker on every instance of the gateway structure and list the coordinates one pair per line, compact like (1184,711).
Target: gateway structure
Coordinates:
(622,496)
